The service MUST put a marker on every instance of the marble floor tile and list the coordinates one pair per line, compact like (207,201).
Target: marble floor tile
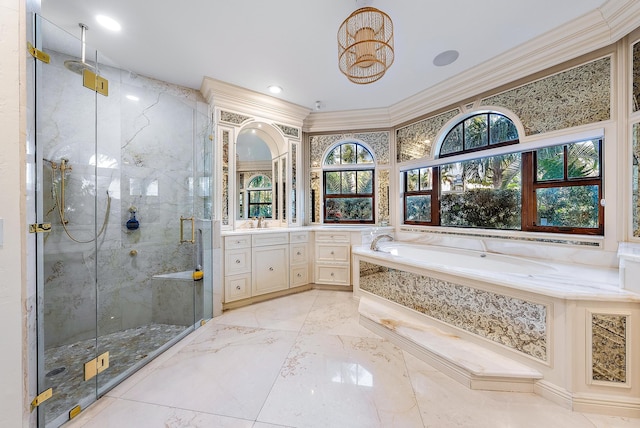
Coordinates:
(336,313)
(284,313)
(227,370)
(334,381)
(304,361)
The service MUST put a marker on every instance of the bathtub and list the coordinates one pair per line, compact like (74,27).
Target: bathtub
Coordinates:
(542,316)
(555,279)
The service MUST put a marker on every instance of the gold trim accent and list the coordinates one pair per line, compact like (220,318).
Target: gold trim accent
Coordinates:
(193,229)
(75,411)
(202,322)
(103,362)
(91,80)
(95,366)
(40,228)
(38,54)
(41,398)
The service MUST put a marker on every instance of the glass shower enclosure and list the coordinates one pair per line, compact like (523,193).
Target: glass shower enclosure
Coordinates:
(123,173)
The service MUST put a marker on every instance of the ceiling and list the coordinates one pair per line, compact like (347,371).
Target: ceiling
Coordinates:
(292,43)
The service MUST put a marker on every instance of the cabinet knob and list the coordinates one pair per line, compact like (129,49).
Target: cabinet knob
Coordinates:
(332,253)
(271,269)
(238,261)
(237,242)
(299,275)
(238,287)
(299,253)
(332,274)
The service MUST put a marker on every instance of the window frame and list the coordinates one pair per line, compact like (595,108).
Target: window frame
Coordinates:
(529,182)
(346,168)
(251,189)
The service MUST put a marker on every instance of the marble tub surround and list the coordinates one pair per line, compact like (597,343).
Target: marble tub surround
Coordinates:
(572,323)
(629,255)
(318,368)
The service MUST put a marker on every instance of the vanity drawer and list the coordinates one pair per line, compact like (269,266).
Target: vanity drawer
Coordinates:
(327,252)
(333,236)
(237,261)
(238,241)
(261,240)
(298,237)
(299,275)
(337,275)
(299,253)
(237,287)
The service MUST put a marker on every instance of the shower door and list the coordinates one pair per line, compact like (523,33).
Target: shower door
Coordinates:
(122,209)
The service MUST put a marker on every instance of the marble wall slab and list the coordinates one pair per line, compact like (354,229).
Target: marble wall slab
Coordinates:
(138,145)
(515,323)
(578,96)
(609,347)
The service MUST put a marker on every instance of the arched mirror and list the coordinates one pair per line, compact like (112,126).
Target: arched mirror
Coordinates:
(255,183)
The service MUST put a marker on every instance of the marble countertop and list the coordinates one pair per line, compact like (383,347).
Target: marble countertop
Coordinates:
(561,280)
(629,251)
(313,228)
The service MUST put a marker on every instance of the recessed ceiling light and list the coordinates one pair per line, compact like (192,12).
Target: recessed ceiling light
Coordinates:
(274,89)
(108,23)
(445,58)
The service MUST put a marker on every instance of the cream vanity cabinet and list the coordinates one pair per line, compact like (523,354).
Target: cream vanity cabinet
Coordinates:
(270,263)
(299,258)
(333,257)
(237,267)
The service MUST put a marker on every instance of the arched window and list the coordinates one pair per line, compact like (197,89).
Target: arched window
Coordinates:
(348,176)
(479,132)
(260,197)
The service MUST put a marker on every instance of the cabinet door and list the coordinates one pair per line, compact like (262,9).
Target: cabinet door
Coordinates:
(299,275)
(237,261)
(270,270)
(330,252)
(237,287)
(333,274)
(299,254)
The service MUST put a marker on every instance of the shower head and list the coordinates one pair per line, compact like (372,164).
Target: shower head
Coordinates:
(76,66)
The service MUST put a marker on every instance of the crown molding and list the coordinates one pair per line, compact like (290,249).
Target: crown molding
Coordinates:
(347,120)
(227,96)
(588,33)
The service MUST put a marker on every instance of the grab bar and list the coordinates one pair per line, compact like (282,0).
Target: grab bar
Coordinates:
(193,230)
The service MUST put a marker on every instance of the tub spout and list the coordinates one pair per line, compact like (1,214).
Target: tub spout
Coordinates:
(374,243)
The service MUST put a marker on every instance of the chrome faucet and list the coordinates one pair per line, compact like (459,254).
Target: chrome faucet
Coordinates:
(260,220)
(374,243)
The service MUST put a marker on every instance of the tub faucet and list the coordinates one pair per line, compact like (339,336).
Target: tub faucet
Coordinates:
(374,243)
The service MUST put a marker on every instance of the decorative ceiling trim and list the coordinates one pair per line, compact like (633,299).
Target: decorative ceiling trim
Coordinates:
(227,96)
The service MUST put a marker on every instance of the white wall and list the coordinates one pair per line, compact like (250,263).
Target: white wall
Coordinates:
(12,275)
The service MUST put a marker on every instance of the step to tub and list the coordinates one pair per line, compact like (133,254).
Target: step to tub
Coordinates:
(469,363)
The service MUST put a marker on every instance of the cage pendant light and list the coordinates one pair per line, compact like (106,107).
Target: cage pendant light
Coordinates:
(365,45)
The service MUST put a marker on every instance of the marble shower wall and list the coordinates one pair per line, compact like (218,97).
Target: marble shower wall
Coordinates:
(143,158)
